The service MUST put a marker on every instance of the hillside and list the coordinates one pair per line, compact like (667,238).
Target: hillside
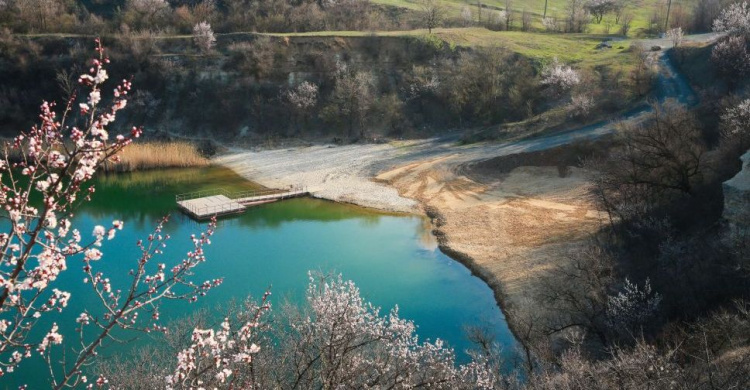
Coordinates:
(645,13)
(417,83)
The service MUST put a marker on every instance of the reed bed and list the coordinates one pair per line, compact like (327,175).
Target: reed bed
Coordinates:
(141,156)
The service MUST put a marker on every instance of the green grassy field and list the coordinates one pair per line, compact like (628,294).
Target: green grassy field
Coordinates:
(579,49)
(641,10)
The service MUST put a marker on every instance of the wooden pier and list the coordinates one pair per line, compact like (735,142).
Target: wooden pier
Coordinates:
(205,205)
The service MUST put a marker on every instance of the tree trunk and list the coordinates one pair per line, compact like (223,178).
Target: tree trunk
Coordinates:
(666,20)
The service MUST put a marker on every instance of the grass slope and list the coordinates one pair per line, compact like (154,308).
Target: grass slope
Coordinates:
(579,49)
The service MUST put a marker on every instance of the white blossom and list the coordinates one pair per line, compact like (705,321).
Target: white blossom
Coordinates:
(304,96)
(559,77)
(735,19)
(676,36)
(203,36)
(633,306)
(580,105)
(736,120)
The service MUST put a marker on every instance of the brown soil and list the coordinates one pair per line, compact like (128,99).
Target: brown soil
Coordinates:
(509,223)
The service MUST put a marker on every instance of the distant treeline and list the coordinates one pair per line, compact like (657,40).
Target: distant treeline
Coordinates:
(179,16)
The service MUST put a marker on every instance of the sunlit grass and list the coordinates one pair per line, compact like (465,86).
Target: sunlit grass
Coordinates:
(641,10)
(577,49)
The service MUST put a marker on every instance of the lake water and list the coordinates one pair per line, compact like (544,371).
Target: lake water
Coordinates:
(393,259)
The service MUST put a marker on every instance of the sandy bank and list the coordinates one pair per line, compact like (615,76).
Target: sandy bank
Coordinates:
(510,229)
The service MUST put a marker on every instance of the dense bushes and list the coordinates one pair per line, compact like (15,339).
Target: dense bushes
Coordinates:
(95,17)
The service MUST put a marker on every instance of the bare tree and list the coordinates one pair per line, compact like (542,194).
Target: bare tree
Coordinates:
(666,153)
(660,159)
(626,20)
(146,13)
(576,16)
(525,20)
(39,14)
(666,18)
(599,8)
(351,99)
(577,293)
(705,12)
(509,16)
(433,14)
(619,8)
(642,75)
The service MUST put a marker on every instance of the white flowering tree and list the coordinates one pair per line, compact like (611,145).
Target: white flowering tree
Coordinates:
(203,36)
(632,307)
(737,119)
(735,19)
(559,78)
(303,98)
(224,357)
(580,105)
(731,57)
(735,124)
(46,175)
(551,24)
(676,35)
(339,342)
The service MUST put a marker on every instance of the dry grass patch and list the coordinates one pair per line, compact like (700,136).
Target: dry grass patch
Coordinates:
(154,155)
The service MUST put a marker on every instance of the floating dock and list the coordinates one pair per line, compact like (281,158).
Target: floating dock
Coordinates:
(205,205)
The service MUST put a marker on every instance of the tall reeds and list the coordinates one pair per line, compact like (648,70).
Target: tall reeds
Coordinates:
(153,155)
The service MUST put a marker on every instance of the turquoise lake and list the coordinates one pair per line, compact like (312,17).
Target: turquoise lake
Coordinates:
(393,259)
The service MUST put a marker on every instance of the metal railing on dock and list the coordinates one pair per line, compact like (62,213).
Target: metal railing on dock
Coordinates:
(201,194)
(239,194)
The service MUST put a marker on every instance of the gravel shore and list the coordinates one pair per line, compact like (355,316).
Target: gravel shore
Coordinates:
(337,173)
